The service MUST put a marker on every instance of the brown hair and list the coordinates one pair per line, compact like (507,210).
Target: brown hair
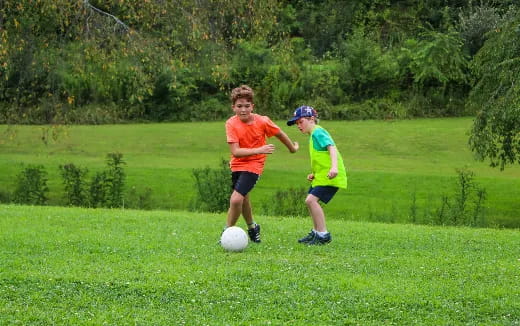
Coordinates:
(243,91)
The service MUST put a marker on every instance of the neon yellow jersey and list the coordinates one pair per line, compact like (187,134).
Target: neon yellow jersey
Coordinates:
(319,140)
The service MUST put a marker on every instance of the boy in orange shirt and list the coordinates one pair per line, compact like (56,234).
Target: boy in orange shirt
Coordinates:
(246,134)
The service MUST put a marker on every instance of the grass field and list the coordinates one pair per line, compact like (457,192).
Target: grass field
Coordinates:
(388,163)
(75,266)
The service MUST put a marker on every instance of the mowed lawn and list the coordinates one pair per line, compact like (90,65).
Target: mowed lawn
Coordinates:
(390,164)
(76,266)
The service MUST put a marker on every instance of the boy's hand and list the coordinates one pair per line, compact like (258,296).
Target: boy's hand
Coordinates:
(310,177)
(296,147)
(332,173)
(266,149)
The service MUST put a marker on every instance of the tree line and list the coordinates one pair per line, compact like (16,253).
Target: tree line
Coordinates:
(110,61)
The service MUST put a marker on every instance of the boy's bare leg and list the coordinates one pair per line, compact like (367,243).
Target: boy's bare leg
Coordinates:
(247,211)
(317,214)
(236,203)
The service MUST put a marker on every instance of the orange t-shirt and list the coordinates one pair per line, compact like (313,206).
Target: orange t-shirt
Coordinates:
(251,135)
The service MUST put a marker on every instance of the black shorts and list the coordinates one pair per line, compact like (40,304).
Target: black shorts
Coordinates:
(324,193)
(243,182)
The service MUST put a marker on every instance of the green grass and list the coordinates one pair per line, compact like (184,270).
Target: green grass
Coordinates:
(387,161)
(73,266)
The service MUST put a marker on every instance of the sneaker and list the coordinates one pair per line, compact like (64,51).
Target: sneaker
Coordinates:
(254,233)
(308,237)
(320,240)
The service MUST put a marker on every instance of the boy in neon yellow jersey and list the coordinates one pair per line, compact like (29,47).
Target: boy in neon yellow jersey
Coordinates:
(328,172)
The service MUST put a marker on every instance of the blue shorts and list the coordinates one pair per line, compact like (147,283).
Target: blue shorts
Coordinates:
(324,193)
(243,182)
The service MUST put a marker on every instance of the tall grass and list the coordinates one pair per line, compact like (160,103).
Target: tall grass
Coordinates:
(388,163)
(78,266)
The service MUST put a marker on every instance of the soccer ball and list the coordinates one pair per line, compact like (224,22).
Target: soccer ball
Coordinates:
(234,239)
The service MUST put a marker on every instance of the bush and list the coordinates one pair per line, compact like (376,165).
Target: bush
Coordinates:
(475,22)
(107,187)
(366,71)
(288,202)
(115,179)
(213,188)
(97,190)
(464,206)
(139,199)
(31,186)
(5,197)
(435,69)
(173,93)
(369,109)
(75,185)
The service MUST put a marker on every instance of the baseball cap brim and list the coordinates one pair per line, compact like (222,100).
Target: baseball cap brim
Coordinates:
(292,121)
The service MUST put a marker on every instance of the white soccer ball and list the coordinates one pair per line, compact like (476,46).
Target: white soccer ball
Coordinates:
(234,239)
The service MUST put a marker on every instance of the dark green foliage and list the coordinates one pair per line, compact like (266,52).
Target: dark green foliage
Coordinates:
(107,187)
(366,71)
(251,62)
(466,205)
(172,98)
(475,22)
(139,199)
(68,62)
(213,188)
(436,59)
(323,23)
(74,184)
(288,202)
(115,179)
(98,189)
(435,68)
(31,186)
(496,96)
(65,62)
(5,196)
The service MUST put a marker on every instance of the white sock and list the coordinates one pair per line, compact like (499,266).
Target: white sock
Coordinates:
(321,234)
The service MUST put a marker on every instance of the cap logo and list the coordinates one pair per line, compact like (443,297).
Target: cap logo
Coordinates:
(302,111)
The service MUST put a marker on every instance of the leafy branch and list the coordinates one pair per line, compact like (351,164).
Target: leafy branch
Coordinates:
(118,23)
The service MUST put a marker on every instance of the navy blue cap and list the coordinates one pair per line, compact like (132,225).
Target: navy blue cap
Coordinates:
(302,111)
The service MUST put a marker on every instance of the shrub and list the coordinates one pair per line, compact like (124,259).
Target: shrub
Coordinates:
(288,202)
(75,185)
(115,179)
(97,190)
(475,22)
(465,206)
(213,188)
(107,187)
(5,197)
(366,71)
(139,199)
(251,62)
(31,186)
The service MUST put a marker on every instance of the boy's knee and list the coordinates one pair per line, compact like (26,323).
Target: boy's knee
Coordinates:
(236,199)
(310,200)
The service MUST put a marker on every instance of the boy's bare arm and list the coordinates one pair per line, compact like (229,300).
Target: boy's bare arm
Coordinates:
(291,146)
(237,151)
(333,172)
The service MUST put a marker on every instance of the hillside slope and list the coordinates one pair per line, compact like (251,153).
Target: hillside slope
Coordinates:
(86,266)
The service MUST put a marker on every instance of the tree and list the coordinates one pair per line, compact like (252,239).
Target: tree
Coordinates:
(496,130)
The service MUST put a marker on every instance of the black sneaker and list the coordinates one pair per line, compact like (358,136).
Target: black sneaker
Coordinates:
(254,233)
(308,237)
(320,240)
